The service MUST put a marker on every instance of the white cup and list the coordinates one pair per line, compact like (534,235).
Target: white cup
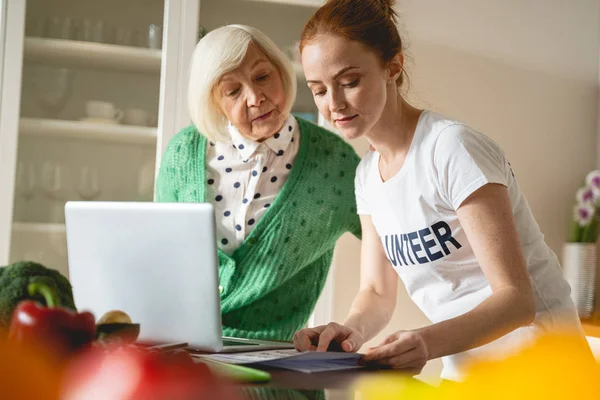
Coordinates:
(103,109)
(136,116)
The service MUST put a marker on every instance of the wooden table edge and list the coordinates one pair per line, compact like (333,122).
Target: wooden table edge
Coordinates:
(591,328)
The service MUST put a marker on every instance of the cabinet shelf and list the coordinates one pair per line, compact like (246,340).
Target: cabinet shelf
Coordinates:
(70,53)
(36,227)
(87,131)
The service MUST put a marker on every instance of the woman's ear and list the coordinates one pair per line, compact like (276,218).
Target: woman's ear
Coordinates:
(395,67)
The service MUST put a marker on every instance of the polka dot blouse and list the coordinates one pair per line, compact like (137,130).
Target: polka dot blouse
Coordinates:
(244,178)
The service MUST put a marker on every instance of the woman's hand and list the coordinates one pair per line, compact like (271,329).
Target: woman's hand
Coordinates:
(321,337)
(405,350)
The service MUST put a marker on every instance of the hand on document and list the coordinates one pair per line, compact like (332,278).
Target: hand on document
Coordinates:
(405,350)
(330,337)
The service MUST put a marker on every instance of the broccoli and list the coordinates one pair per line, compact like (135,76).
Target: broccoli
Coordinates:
(14,280)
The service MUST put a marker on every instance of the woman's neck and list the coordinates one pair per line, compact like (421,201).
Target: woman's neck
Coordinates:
(392,134)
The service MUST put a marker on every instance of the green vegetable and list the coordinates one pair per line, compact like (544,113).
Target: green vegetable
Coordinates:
(16,277)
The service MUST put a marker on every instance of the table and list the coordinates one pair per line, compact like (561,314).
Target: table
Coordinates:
(286,384)
(316,381)
(591,329)
(591,326)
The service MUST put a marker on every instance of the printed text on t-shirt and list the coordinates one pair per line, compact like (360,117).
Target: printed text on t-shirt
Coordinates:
(422,246)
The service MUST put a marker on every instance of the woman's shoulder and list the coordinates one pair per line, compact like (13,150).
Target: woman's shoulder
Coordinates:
(333,146)
(189,134)
(435,124)
(452,142)
(314,131)
(443,130)
(182,147)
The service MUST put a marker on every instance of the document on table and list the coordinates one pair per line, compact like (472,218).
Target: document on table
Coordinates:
(309,361)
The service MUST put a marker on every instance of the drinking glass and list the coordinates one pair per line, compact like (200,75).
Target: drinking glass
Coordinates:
(25,180)
(53,186)
(60,28)
(53,88)
(87,185)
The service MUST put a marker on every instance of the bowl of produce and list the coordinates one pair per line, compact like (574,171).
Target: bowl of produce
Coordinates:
(116,326)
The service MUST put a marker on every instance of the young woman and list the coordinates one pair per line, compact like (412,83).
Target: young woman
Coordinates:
(439,206)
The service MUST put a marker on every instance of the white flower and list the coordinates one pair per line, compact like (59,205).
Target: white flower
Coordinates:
(586,195)
(596,195)
(583,214)
(592,179)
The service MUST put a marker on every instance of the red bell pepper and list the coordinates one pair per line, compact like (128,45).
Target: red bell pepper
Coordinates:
(59,329)
(130,373)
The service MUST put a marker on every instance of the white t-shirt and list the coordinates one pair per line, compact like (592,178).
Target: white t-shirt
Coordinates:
(244,178)
(414,213)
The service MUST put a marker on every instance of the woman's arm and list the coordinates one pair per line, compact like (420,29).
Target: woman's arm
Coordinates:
(486,216)
(375,302)
(372,307)
(165,183)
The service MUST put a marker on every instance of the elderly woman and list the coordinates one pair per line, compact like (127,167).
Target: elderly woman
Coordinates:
(282,188)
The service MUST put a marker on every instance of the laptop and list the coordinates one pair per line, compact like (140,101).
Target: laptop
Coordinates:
(158,263)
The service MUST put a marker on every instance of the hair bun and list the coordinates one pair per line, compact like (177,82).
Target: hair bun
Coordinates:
(388,8)
(373,23)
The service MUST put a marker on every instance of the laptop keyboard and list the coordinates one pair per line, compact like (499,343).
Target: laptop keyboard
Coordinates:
(229,342)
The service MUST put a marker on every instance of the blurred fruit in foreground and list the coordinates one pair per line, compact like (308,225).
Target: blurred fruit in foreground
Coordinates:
(27,373)
(58,328)
(127,373)
(555,368)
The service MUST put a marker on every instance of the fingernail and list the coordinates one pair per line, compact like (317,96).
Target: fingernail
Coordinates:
(348,346)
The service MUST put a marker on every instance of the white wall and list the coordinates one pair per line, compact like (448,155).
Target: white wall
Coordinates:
(525,73)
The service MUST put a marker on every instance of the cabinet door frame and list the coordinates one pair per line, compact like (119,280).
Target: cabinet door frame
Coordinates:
(180,34)
(12,30)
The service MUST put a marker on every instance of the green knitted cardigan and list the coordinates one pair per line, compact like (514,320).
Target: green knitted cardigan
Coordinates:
(272,281)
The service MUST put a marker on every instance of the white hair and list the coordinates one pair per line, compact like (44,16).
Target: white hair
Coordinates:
(217,53)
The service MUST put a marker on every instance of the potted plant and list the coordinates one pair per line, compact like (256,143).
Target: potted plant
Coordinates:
(580,252)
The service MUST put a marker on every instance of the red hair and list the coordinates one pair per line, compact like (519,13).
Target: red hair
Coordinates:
(370,22)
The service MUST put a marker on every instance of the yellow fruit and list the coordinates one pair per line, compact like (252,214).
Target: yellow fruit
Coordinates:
(555,368)
(115,317)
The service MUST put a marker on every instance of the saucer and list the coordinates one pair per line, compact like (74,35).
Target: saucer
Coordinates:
(100,120)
